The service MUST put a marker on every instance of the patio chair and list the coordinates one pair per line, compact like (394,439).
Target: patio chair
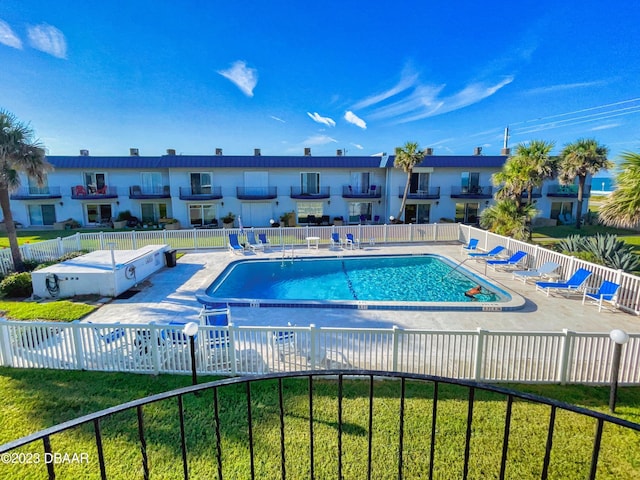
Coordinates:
(102,190)
(608,292)
(252,242)
(262,237)
(543,271)
(335,240)
(573,284)
(79,190)
(494,252)
(510,263)
(471,246)
(351,242)
(234,245)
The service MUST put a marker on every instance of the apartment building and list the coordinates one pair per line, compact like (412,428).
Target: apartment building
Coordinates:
(198,190)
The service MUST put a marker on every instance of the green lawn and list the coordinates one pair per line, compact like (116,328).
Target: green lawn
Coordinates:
(58,311)
(35,399)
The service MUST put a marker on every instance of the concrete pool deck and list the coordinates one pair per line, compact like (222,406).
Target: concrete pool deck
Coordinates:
(170,295)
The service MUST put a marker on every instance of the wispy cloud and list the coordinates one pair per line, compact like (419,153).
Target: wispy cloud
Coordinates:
(316,117)
(564,87)
(605,127)
(8,37)
(351,117)
(409,100)
(319,140)
(358,146)
(277,119)
(48,39)
(243,77)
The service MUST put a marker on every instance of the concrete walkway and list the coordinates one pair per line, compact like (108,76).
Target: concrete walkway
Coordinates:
(170,295)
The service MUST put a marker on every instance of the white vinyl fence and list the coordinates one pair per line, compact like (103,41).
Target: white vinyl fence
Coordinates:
(536,357)
(628,294)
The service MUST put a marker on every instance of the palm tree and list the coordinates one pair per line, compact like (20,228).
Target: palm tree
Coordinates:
(579,159)
(407,157)
(19,152)
(622,207)
(506,217)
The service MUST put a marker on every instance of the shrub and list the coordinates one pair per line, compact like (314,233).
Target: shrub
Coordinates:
(603,249)
(17,285)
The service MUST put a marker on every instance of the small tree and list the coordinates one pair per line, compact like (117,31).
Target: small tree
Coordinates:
(622,207)
(406,158)
(579,159)
(19,152)
(507,218)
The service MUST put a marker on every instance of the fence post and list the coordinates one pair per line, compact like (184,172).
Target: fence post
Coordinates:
(164,237)
(78,242)
(155,347)
(27,251)
(477,361)
(101,240)
(394,355)
(232,349)
(195,239)
(312,345)
(134,242)
(60,247)
(5,344)
(565,347)
(384,236)
(435,232)
(76,333)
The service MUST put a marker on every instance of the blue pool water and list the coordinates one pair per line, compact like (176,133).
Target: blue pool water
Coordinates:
(379,282)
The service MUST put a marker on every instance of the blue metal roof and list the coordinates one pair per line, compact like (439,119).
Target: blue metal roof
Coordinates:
(442,161)
(214,161)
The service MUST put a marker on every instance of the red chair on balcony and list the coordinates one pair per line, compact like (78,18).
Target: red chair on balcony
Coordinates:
(79,190)
(102,190)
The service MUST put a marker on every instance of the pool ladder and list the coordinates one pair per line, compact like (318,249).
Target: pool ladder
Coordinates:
(284,253)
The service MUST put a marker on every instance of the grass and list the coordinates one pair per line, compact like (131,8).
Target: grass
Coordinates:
(59,311)
(35,399)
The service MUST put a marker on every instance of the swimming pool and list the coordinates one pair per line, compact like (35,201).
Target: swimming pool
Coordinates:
(416,282)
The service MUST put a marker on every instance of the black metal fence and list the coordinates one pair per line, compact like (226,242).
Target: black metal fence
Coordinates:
(285,451)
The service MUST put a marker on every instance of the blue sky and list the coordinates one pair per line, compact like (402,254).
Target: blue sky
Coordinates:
(284,75)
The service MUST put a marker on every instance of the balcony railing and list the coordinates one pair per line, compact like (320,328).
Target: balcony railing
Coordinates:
(305,194)
(374,191)
(256,193)
(474,191)
(80,192)
(431,193)
(141,192)
(536,193)
(34,193)
(201,193)
(339,446)
(567,191)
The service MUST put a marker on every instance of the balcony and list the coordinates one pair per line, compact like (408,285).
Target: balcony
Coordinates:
(567,191)
(304,194)
(474,191)
(256,193)
(375,191)
(432,193)
(36,193)
(536,193)
(137,192)
(80,192)
(201,193)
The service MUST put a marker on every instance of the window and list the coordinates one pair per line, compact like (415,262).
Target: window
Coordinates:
(35,189)
(42,215)
(470,182)
(308,208)
(560,209)
(417,213)
(98,213)
(467,212)
(419,183)
(95,181)
(152,212)
(200,183)
(359,211)
(309,183)
(200,215)
(151,182)
(360,182)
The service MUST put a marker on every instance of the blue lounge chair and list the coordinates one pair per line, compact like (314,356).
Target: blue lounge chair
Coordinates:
(512,262)
(335,240)
(607,292)
(541,272)
(262,237)
(574,284)
(351,242)
(494,252)
(471,246)
(234,245)
(252,242)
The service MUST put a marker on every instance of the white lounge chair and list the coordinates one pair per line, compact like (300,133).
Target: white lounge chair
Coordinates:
(543,271)
(253,243)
